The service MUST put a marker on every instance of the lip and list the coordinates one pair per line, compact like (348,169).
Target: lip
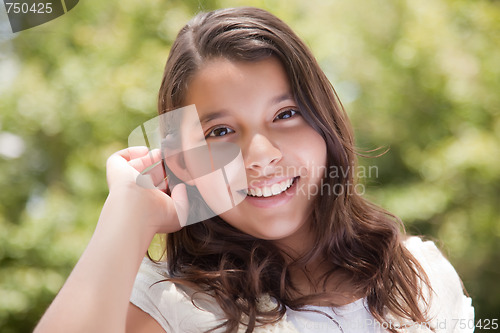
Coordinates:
(274,200)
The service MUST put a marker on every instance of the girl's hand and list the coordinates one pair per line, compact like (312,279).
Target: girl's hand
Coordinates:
(149,205)
(95,298)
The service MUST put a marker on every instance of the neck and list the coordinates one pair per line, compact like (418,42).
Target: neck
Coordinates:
(298,244)
(307,274)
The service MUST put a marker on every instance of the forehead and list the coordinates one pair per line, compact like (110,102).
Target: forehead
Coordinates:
(223,83)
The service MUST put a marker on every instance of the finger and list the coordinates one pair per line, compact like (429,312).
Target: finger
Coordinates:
(121,157)
(159,175)
(117,164)
(152,172)
(153,177)
(145,161)
(131,153)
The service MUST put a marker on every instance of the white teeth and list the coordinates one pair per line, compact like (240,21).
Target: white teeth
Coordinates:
(276,189)
(285,184)
(267,191)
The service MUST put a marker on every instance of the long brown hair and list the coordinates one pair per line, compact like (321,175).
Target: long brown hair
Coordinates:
(354,237)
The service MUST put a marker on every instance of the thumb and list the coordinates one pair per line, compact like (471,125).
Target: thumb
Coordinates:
(181,203)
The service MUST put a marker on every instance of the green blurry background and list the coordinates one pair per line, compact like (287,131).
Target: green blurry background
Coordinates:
(421,77)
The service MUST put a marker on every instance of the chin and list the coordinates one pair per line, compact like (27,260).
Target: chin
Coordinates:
(272,232)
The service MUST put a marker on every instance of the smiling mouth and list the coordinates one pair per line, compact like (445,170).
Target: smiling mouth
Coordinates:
(269,191)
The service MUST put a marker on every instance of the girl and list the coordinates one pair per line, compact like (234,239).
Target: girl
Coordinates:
(294,255)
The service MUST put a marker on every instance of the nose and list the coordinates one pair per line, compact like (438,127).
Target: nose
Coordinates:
(262,155)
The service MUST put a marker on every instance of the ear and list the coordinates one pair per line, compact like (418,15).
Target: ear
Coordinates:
(177,165)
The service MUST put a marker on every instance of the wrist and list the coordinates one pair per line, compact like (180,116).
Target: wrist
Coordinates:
(126,214)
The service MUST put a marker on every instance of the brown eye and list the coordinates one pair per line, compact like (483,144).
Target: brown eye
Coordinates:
(219,131)
(286,114)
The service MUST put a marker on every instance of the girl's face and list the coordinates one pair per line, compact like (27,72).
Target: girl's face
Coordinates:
(251,104)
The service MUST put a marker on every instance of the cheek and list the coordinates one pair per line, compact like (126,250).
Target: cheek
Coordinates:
(220,176)
(239,217)
(309,146)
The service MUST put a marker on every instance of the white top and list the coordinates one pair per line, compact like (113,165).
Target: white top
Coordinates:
(170,305)
(353,318)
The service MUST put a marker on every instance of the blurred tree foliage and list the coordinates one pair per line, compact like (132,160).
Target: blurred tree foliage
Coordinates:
(421,77)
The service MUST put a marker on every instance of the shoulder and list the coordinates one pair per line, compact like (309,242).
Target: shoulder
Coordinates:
(448,307)
(171,307)
(139,321)
(169,304)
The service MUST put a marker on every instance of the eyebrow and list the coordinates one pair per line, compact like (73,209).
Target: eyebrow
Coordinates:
(284,97)
(212,115)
